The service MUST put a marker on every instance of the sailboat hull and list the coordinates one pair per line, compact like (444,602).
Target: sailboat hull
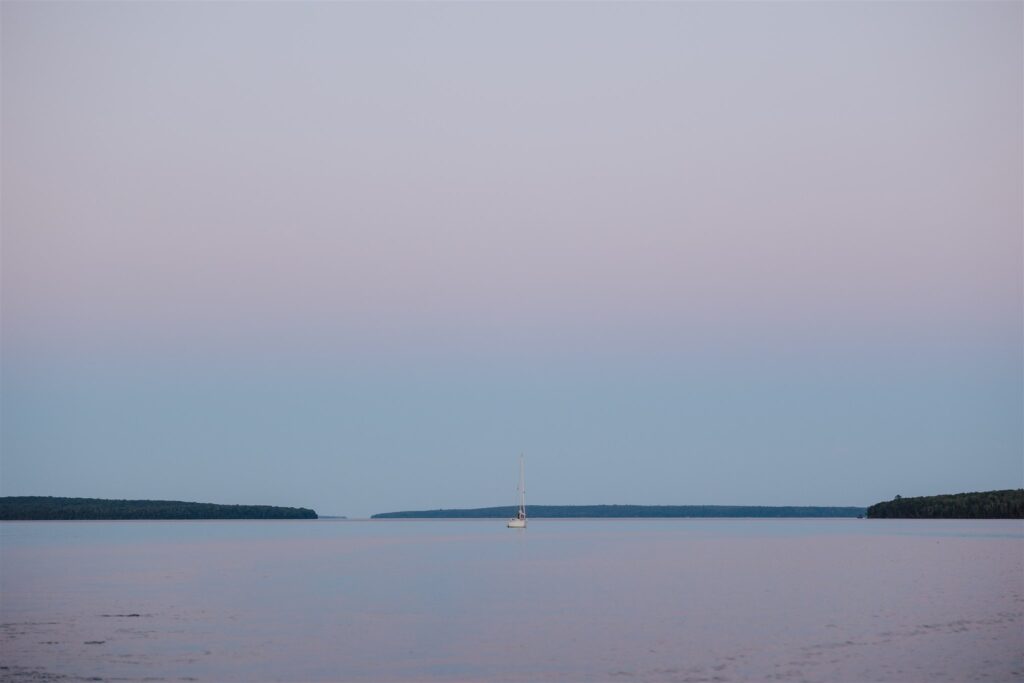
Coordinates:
(516,523)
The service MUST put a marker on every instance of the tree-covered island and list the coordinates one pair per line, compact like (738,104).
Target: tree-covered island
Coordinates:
(53,508)
(1006,504)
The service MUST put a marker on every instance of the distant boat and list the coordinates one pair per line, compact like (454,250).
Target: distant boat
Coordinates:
(519,521)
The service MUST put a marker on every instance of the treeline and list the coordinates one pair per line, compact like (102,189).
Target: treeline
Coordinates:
(565,511)
(49,507)
(1007,504)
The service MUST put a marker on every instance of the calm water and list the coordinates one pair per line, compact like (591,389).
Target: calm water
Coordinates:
(572,600)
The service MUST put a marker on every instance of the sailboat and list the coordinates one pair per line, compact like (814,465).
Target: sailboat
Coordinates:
(519,521)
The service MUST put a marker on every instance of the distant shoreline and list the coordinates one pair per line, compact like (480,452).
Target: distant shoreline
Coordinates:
(43,508)
(1002,504)
(632,512)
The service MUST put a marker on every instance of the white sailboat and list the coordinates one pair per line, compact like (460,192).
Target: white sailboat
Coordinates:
(519,521)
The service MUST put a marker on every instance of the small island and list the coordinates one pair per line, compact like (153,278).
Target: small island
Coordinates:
(606,511)
(1005,504)
(54,508)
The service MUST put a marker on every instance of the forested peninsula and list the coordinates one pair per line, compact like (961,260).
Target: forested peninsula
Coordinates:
(48,507)
(565,511)
(1006,504)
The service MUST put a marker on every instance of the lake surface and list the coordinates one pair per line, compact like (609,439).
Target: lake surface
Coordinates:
(565,600)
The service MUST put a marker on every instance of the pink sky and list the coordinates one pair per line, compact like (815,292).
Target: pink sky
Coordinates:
(650,182)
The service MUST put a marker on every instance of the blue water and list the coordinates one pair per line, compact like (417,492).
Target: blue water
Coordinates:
(564,600)
(14,534)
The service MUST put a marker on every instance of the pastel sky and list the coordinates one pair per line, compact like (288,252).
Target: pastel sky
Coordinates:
(358,256)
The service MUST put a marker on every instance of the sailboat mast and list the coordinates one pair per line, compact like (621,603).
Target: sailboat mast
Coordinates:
(522,486)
